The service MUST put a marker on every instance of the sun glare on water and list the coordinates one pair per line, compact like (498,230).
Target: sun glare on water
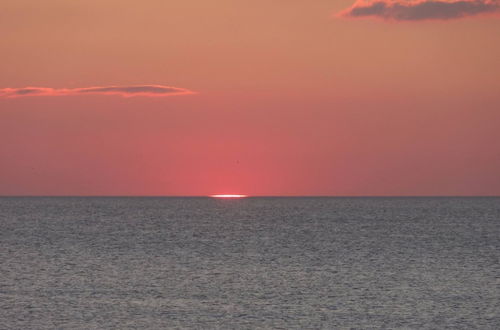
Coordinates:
(228,196)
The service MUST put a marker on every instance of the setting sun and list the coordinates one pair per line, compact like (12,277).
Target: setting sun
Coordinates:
(228,196)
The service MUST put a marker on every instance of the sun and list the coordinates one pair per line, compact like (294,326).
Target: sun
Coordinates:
(228,196)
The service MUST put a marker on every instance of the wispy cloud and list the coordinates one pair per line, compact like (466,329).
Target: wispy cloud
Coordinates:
(125,91)
(401,10)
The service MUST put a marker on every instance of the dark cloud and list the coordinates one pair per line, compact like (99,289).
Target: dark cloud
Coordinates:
(126,91)
(27,91)
(401,10)
(134,90)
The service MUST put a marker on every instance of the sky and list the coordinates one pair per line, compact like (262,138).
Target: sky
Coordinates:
(262,97)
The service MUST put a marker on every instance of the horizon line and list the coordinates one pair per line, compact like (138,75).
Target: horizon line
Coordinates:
(251,196)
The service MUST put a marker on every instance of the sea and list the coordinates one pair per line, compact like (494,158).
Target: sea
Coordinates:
(251,263)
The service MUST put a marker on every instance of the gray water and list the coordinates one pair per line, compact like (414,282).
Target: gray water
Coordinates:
(156,263)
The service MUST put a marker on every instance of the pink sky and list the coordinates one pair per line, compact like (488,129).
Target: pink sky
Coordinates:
(250,97)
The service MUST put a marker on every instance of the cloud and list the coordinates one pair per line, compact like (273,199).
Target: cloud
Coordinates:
(401,10)
(125,91)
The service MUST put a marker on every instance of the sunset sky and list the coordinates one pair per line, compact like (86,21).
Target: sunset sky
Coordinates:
(262,97)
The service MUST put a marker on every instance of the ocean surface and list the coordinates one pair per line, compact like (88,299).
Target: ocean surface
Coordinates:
(280,263)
